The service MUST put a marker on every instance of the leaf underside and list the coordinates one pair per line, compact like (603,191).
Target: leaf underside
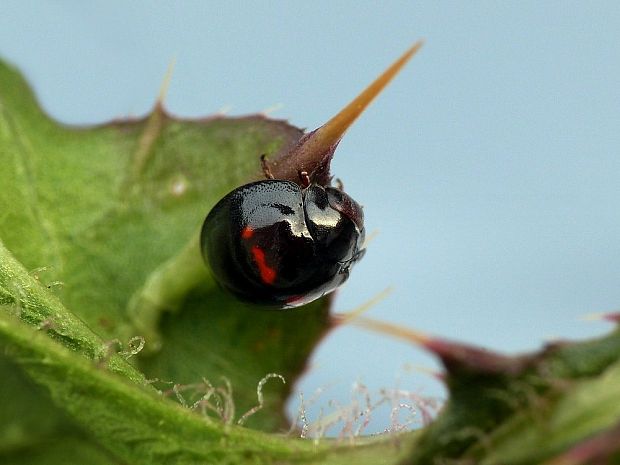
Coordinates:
(98,231)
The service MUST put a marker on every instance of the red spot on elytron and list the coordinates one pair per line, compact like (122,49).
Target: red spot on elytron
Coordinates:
(247,232)
(267,274)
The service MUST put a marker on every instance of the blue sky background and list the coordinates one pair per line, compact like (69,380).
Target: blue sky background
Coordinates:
(490,167)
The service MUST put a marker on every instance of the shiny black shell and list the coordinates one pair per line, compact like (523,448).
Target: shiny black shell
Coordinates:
(274,243)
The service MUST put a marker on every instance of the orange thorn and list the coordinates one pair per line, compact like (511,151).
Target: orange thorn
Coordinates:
(165,85)
(327,136)
(343,318)
(409,335)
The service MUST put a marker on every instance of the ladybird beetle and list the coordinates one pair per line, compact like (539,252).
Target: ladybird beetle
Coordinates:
(273,242)
(280,243)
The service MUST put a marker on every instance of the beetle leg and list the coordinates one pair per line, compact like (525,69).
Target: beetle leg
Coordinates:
(304,178)
(265,166)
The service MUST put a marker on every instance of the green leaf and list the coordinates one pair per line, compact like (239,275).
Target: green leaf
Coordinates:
(97,213)
(103,209)
(522,409)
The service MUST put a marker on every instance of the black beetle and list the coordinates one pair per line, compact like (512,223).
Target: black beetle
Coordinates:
(275,243)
